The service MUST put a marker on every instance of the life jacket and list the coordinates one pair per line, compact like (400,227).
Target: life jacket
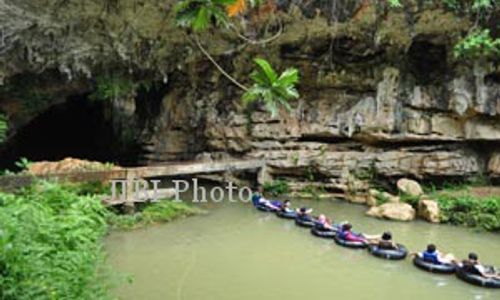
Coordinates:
(431,257)
(352,237)
(255,199)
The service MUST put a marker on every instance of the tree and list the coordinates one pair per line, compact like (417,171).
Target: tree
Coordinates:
(273,90)
(200,15)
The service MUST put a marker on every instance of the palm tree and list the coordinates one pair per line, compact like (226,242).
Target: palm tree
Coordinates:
(273,90)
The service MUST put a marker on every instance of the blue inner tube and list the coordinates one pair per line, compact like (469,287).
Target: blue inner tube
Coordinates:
(477,279)
(392,254)
(420,263)
(349,244)
(328,234)
(304,222)
(286,214)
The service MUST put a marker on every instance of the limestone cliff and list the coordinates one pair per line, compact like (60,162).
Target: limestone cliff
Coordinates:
(380,91)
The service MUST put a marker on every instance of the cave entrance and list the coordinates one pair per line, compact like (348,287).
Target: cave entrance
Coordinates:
(428,62)
(77,128)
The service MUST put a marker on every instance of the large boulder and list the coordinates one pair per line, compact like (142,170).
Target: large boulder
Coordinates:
(429,210)
(409,187)
(393,211)
(375,195)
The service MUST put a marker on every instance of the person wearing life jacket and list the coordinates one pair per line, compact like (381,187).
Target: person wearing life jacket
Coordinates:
(433,256)
(259,200)
(473,266)
(347,234)
(324,224)
(304,214)
(257,195)
(385,242)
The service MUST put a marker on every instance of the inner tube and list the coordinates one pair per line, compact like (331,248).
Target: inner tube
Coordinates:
(477,279)
(264,208)
(392,254)
(286,214)
(420,263)
(349,244)
(328,234)
(304,223)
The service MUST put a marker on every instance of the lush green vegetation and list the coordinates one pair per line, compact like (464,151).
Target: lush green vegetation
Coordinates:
(50,244)
(51,240)
(273,90)
(159,212)
(460,207)
(478,43)
(201,14)
(3,128)
(276,187)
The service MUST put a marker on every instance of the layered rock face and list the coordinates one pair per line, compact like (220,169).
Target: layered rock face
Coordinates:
(381,94)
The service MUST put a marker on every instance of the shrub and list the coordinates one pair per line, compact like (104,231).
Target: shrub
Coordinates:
(277,187)
(51,244)
(465,209)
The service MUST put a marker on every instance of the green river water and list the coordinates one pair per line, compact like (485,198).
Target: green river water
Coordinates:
(237,252)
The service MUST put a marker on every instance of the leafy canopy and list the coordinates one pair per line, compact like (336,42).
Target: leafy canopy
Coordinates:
(201,14)
(273,90)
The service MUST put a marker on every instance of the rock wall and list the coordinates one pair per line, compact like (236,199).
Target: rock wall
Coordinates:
(381,93)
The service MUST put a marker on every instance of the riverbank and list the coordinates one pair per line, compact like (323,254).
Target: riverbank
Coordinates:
(474,205)
(51,240)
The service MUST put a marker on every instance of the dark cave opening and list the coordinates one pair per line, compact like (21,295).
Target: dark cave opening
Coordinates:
(77,128)
(428,62)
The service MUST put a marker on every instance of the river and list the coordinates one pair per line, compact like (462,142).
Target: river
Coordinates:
(236,252)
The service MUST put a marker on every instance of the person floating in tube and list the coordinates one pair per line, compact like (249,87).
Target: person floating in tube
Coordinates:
(347,234)
(326,224)
(473,266)
(304,214)
(259,200)
(286,207)
(434,256)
